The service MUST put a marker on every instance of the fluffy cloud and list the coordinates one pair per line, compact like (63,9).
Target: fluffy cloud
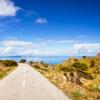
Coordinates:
(7,8)
(87,48)
(16,43)
(41,20)
(47,47)
(15,47)
(18,47)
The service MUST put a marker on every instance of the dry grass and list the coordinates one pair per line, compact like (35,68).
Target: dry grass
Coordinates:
(74,91)
(4,71)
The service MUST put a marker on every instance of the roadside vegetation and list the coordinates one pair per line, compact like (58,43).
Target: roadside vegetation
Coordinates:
(22,61)
(78,78)
(6,66)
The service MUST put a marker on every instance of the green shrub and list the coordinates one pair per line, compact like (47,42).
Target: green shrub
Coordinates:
(1,60)
(66,69)
(76,95)
(8,63)
(31,62)
(98,87)
(44,64)
(93,87)
(80,66)
(2,74)
(84,57)
(22,61)
(87,75)
(36,66)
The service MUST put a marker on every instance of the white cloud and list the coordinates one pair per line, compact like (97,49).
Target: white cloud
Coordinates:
(41,20)
(7,8)
(47,47)
(87,48)
(15,47)
(18,47)
(16,43)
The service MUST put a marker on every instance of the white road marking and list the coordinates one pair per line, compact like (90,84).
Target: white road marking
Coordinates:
(24,83)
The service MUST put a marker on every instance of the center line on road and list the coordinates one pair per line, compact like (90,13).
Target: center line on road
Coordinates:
(24,82)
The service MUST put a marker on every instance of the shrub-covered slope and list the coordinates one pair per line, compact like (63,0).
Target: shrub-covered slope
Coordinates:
(77,77)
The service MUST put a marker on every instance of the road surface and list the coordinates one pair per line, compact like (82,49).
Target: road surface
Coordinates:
(25,83)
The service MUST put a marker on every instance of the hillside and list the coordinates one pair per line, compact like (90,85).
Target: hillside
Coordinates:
(79,78)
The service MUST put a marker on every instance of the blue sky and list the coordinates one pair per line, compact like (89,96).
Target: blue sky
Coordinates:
(49,27)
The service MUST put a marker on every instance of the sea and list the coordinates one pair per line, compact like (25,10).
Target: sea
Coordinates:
(47,59)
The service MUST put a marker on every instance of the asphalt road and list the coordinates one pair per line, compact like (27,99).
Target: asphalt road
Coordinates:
(25,83)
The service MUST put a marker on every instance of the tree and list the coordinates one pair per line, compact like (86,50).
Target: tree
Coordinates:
(84,57)
(22,61)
